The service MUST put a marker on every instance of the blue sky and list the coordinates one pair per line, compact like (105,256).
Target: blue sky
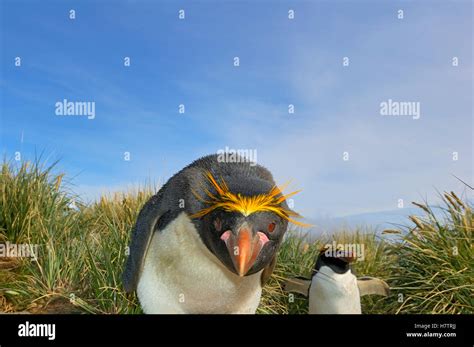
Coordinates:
(282,62)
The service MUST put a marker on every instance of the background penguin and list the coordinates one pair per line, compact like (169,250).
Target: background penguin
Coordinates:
(333,288)
(207,241)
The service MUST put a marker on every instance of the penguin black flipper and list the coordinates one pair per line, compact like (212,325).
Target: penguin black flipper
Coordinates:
(142,233)
(371,285)
(297,284)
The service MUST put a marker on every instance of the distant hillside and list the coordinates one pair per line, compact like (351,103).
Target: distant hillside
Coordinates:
(378,221)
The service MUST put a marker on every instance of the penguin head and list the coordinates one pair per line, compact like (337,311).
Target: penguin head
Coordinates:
(243,222)
(244,244)
(337,260)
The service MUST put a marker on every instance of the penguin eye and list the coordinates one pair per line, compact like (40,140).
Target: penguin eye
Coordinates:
(271,227)
(217,224)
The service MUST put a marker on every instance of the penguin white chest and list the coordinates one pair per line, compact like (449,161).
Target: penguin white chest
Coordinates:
(180,275)
(333,293)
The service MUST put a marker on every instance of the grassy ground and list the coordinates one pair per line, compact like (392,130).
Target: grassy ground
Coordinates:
(82,251)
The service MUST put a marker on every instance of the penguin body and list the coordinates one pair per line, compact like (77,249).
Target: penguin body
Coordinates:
(207,241)
(334,293)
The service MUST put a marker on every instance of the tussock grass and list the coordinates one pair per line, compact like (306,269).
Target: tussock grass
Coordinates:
(435,271)
(110,221)
(83,249)
(32,202)
(35,210)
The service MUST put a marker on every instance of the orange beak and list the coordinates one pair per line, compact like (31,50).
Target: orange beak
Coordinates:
(244,248)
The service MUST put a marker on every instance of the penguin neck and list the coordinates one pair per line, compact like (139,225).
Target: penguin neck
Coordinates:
(327,271)
(329,280)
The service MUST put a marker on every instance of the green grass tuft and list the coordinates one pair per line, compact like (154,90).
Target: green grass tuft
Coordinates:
(435,270)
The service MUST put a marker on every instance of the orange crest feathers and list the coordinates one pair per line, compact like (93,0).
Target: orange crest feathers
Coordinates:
(225,199)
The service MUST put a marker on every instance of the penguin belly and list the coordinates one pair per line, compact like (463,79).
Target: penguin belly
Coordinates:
(180,275)
(333,293)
